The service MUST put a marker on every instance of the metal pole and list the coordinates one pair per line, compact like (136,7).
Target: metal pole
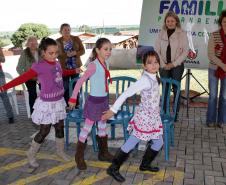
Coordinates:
(187,88)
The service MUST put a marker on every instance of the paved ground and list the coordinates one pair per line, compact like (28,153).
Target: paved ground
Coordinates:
(198,158)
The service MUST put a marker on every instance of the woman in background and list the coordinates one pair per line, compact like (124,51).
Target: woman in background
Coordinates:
(217,73)
(70,50)
(29,56)
(172,47)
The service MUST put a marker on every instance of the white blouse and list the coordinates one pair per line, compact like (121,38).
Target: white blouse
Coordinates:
(139,85)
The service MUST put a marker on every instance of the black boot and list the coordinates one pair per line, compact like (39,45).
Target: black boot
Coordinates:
(148,157)
(117,161)
(11,120)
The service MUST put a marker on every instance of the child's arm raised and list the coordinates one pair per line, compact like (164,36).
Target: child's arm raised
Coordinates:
(91,69)
(19,80)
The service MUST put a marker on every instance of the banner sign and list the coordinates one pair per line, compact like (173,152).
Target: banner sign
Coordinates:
(198,17)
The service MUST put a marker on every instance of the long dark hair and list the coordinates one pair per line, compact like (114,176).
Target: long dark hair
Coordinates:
(45,42)
(148,54)
(99,43)
(222,15)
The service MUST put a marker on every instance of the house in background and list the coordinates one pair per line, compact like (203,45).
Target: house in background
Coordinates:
(11,50)
(118,42)
(127,33)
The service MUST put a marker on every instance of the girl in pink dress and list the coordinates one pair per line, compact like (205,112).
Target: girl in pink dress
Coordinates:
(146,124)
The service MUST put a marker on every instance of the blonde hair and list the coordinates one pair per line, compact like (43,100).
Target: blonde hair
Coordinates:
(31,38)
(175,16)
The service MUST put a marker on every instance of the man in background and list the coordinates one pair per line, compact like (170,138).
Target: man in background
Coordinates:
(3,95)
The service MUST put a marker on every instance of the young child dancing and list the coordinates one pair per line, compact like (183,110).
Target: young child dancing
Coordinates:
(96,103)
(146,124)
(49,108)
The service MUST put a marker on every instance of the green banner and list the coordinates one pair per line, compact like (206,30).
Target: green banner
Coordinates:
(198,17)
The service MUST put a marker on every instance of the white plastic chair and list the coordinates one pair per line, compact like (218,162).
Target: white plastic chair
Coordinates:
(12,93)
(26,97)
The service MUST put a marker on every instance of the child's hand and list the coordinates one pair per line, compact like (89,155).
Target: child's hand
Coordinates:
(71,53)
(71,105)
(78,70)
(107,114)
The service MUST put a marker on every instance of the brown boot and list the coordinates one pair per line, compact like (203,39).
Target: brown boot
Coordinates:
(103,154)
(79,156)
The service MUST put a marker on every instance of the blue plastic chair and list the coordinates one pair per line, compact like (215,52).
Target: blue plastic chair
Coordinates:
(76,115)
(127,110)
(168,113)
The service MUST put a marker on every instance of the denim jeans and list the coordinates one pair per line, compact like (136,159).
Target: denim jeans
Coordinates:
(5,98)
(216,113)
(66,81)
(176,74)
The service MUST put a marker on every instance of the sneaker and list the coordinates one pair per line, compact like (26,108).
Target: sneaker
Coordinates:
(11,120)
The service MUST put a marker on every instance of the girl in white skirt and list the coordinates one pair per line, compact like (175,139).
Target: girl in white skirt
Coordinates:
(49,107)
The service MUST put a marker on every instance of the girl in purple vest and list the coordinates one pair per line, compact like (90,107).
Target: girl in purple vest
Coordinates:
(146,124)
(96,103)
(49,108)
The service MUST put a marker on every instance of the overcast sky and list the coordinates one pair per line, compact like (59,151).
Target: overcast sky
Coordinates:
(53,13)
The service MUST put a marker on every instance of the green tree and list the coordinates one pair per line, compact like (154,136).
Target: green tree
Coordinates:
(1,43)
(27,30)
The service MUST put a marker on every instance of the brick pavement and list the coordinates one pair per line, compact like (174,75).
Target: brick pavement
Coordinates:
(198,158)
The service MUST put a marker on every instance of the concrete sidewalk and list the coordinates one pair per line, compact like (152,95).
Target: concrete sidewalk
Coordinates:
(198,158)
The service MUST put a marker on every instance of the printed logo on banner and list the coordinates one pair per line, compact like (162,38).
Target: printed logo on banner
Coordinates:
(192,54)
(192,7)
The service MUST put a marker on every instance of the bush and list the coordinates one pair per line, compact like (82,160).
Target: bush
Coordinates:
(27,30)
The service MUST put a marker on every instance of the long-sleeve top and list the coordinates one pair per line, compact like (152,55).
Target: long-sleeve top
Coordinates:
(25,61)
(138,86)
(50,79)
(77,46)
(178,43)
(215,47)
(2,58)
(96,74)
(146,123)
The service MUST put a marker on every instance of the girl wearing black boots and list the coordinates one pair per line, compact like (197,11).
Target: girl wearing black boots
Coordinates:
(146,124)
